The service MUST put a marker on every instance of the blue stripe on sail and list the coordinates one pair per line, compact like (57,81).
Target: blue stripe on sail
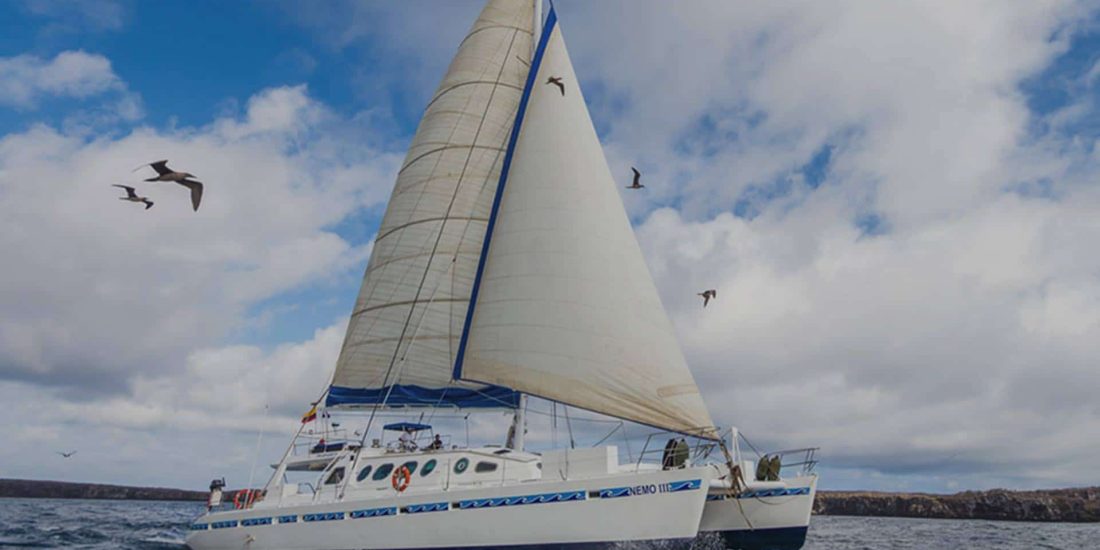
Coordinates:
(418,396)
(551,20)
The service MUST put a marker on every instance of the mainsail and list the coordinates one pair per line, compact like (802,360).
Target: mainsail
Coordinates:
(565,307)
(403,337)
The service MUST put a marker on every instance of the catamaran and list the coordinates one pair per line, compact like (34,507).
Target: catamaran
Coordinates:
(505,266)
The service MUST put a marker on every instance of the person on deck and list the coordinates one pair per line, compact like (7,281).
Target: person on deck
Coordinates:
(437,443)
(407,440)
(680,454)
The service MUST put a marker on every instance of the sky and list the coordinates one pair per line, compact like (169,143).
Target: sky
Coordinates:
(899,204)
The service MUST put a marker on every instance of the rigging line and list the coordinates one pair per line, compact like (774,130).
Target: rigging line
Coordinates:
(554,424)
(454,258)
(462,238)
(626,441)
(259,436)
(427,268)
(419,324)
(609,434)
(751,446)
(569,426)
(419,197)
(400,237)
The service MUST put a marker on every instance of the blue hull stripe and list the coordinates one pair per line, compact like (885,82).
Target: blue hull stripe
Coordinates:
(551,20)
(764,493)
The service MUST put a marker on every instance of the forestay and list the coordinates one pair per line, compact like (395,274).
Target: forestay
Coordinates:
(402,341)
(565,307)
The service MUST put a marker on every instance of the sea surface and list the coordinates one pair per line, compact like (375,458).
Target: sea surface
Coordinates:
(104,524)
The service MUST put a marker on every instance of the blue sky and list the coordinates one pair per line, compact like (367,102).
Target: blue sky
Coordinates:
(897,202)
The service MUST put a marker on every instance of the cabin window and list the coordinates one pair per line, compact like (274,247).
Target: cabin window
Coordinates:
(428,467)
(485,467)
(335,477)
(364,473)
(382,471)
(461,465)
(411,465)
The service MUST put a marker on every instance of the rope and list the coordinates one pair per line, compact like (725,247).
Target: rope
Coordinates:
(259,437)
(609,434)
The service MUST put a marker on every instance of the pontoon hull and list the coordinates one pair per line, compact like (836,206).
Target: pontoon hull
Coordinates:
(772,519)
(596,512)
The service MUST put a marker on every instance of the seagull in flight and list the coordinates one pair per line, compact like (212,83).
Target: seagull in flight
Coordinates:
(556,80)
(164,173)
(707,295)
(66,455)
(132,196)
(637,180)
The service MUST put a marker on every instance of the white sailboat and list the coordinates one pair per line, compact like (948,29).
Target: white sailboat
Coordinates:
(505,266)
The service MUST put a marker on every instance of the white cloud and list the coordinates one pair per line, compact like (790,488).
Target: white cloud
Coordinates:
(95,15)
(96,290)
(955,340)
(26,78)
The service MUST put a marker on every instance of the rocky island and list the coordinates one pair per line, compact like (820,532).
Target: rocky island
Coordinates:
(1068,505)
(32,488)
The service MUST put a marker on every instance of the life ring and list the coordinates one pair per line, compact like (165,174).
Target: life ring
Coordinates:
(240,499)
(400,479)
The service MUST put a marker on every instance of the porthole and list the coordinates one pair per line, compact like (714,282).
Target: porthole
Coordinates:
(382,471)
(485,467)
(363,473)
(428,467)
(461,465)
(411,465)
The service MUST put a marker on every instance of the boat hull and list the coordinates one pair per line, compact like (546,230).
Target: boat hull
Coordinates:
(588,513)
(772,518)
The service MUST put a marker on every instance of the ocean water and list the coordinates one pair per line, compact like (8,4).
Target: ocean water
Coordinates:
(102,524)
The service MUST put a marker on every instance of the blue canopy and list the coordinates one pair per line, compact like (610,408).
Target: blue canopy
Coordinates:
(403,426)
(401,395)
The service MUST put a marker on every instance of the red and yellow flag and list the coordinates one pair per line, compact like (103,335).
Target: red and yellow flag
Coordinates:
(311,415)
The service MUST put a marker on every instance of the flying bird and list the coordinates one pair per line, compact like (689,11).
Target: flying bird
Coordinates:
(556,80)
(66,455)
(167,174)
(707,295)
(132,196)
(637,180)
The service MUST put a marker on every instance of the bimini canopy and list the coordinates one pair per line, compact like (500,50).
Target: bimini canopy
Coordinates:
(407,427)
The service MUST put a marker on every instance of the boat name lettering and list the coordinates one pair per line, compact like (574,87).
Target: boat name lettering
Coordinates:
(651,489)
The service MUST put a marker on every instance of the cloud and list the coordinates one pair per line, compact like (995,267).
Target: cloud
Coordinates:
(921,299)
(94,15)
(77,74)
(95,291)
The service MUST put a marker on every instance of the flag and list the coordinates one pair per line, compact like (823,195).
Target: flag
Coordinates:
(311,415)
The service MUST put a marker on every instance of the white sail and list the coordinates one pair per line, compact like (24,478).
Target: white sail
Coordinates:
(565,307)
(404,332)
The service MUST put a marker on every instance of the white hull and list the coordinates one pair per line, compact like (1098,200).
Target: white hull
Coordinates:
(589,512)
(772,517)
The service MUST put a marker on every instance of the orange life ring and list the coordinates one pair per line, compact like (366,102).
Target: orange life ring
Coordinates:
(238,501)
(400,478)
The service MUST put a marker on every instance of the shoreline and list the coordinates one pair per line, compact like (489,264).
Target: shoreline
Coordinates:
(1076,505)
